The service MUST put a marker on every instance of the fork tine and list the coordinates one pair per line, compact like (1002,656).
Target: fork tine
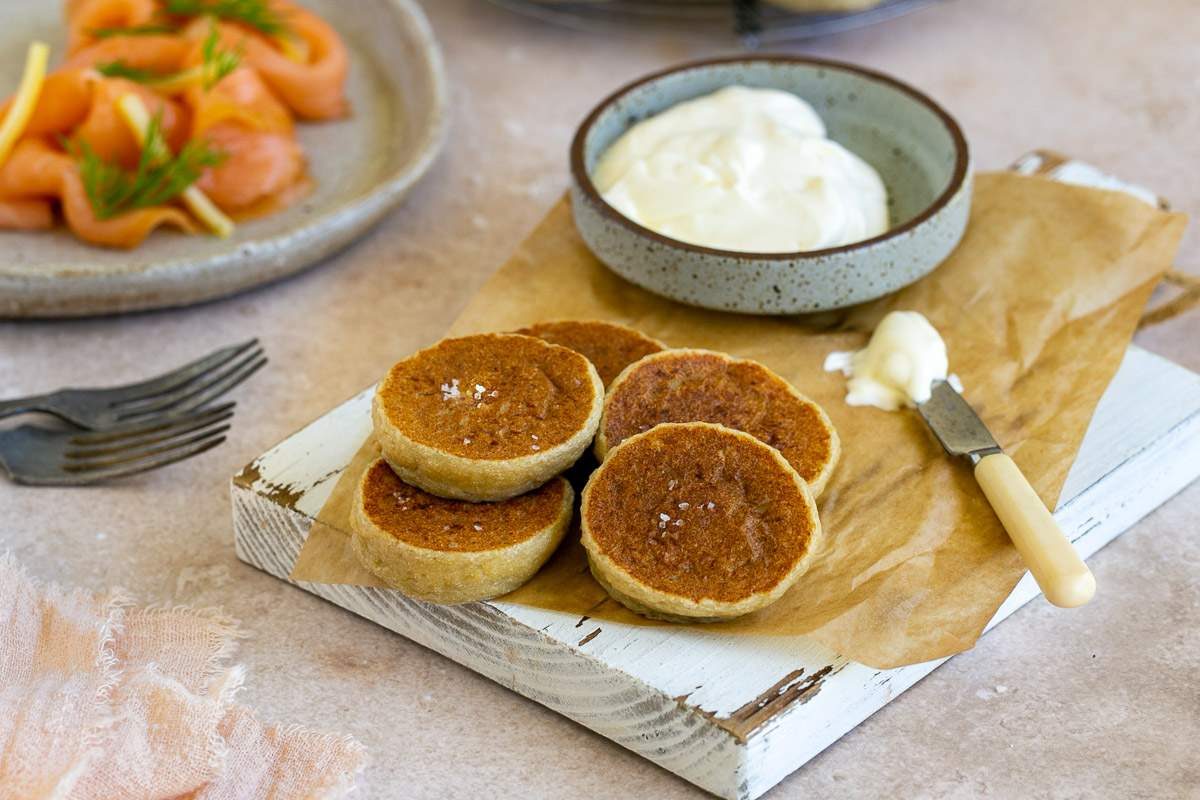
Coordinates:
(197,393)
(154,425)
(184,426)
(146,464)
(226,385)
(118,458)
(167,381)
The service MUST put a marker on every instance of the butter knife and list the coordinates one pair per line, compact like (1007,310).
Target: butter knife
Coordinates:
(1059,571)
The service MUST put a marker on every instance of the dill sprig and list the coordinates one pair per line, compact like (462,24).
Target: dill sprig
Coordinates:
(254,13)
(113,190)
(217,62)
(121,69)
(133,30)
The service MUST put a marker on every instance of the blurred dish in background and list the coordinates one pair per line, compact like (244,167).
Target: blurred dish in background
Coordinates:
(362,166)
(754,21)
(179,114)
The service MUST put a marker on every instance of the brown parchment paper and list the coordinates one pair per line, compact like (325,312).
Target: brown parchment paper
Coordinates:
(1037,306)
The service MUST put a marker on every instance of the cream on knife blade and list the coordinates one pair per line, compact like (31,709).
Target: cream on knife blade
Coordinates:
(743,169)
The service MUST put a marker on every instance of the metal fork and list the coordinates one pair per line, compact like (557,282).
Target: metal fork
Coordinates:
(44,457)
(185,389)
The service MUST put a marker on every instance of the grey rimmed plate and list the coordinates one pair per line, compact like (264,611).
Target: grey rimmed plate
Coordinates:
(363,167)
(916,146)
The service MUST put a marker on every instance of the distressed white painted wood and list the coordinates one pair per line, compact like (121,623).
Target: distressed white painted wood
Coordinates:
(732,714)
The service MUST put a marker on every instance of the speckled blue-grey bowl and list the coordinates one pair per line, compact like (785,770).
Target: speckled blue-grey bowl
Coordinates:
(916,146)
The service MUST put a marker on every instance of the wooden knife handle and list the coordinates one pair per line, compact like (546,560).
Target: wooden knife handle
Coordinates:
(1065,579)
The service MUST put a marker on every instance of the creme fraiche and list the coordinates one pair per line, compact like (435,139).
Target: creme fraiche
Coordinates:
(743,169)
(897,368)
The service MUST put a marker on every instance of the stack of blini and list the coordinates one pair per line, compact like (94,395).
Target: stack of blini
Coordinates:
(702,506)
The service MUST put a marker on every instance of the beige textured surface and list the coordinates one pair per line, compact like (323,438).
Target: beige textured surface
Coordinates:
(1096,702)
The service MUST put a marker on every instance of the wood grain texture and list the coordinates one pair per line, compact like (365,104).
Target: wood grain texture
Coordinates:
(733,714)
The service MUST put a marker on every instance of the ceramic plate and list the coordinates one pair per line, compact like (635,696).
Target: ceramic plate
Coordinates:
(363,167)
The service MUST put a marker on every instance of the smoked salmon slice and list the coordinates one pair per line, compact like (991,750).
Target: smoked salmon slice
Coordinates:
(86,16)
(241,118)
(81,102)
(241,96)
(106,132)
(158,53)
(26,215)
(63,103)
(314,89)
(36,170)
(257,166)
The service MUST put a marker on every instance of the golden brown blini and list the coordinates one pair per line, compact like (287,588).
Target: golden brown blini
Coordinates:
(705,386)
(609,346)
(454,551)
(486,417)
(697,522)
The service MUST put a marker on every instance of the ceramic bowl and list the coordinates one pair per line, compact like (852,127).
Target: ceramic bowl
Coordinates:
(917,148)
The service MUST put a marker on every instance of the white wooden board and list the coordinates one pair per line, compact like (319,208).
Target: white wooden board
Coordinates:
(733,714)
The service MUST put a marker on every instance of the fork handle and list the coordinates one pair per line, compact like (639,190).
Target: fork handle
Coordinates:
(25,405)
(1059,571)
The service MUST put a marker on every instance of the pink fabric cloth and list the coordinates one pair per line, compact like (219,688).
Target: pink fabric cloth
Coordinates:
(101,700)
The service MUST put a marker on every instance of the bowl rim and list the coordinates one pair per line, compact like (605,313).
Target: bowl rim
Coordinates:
(957,179)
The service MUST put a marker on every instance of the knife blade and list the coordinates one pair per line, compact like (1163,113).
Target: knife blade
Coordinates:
(1059,571)
(956,425)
